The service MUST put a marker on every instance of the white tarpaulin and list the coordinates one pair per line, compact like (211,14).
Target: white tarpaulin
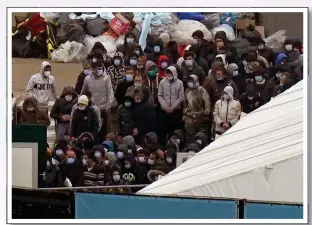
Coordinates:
(260,158)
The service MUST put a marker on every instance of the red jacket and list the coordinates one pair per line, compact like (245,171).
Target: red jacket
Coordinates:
(161,71)
(34,24)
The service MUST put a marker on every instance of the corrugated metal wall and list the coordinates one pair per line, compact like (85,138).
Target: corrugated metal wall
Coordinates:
(291,22)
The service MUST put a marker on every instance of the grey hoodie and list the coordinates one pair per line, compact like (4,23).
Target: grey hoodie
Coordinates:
(42,88)
(171,94)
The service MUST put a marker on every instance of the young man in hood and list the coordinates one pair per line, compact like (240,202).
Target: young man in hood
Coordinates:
(163,63)
(151,71)
(158,47)
(170,98)
(189,67)
(42,86)
(61,111)
(100,85)
(125,122)
(117,71)
(197,108)
(32,114)
(199,59)
(263,85)
(227,111)
(87,70)
(291,53)
(205,47)
(126,48)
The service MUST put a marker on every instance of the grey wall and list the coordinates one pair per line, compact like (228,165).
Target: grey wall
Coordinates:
(291,22)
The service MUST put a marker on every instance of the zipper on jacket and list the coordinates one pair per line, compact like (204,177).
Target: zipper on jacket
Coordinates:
(170,96)
(227,110)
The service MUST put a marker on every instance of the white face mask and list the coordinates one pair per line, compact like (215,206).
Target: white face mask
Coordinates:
(117,62)
(129,40)
(235,73)
(127,166)
(278,75)
(84,161)
(81,107)
(288,47)
(94,60)
(137,84)
(141,159)
(127,104)
(48,163)
(129,151)
(150,162)
(47,73)
(169,160)
(116,177)
(258,78)
(189,62)
(87,72)
(164,65)
(120,155)
(106,162)
(59,152)
(199,141)
(68,98)
(97,155)
(261,46)
(250,98)
(30,109)
(133,62)
(100,72)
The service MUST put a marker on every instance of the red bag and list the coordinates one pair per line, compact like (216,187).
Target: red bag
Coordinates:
(119,24)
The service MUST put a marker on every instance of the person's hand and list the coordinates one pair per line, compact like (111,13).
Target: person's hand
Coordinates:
(135,132)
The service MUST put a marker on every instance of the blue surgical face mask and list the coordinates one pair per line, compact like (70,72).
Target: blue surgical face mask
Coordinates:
(129,77)
(164,65)
(97,154)
(195,41)
(156,48)
(189,62)
(70,160)
(100,72)
(133,62)
(258,78)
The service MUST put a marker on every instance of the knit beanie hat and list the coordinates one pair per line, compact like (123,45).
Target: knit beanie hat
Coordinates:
(232,67)
(83,100)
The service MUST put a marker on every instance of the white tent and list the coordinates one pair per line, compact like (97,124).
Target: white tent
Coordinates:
(260,158)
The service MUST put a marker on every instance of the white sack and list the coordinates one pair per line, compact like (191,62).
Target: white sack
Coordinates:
(107,41)
(230,34)
(276,40)
(49,16)
(70,52)
(185,29)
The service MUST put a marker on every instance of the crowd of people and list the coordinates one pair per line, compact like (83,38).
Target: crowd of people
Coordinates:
(129,115)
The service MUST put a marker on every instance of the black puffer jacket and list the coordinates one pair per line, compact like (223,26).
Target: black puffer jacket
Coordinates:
(74,172)
(62,107)
(84,121)
(125,122)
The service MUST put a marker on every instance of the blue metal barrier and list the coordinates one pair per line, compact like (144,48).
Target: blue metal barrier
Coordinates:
(253,210)
(107,206)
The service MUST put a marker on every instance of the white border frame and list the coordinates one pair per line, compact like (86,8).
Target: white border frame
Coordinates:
(9,108)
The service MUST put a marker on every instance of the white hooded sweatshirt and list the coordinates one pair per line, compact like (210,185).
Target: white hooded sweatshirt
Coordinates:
(42,88)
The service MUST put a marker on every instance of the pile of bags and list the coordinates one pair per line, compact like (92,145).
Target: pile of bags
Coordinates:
(76,33)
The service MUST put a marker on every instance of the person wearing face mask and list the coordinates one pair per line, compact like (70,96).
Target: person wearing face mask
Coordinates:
(122,152)
(127,47)
(124,85)
(59,151)
(61,111)
(238,79)
(87,70)
(93,176)
(71,172)
(129,169)
(285,82)
(227,111)
(222,79)
(99,153)
(250,100)
(99,54)
(125,122)
(281,59)
(53,171)
(178,139)
(138,83)
(133,62)
(142,167)
(96,109)
(189,67)
(205,47)
(158,48)
(31,114)
(163,63)
(112,165)
(263,85)
(199,59)
(42,86)
(151,71)
(201,139)
(170,97)
(181,59)
(291,53)
(170,160)
(118,180)
(117,71)
(151,144)
(264,51)
(84,119)
(142,111)
(196,108)
(100,85)
(253,63)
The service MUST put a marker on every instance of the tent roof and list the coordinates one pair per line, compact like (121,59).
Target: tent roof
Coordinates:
(260,158)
